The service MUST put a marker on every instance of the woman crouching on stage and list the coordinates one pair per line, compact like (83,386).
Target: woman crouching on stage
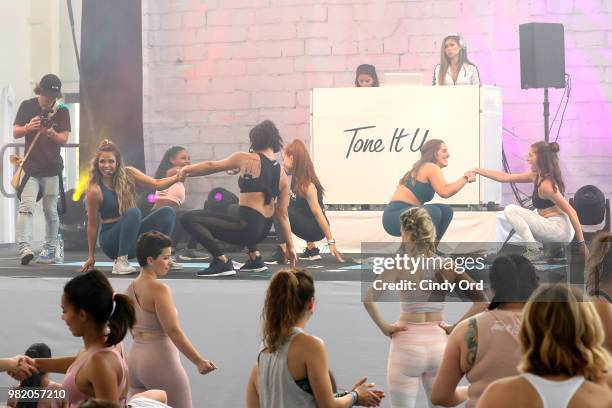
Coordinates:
(419,185)
(555,220)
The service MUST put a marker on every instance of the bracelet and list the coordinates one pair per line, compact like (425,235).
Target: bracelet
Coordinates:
(580,242)
(355,396)
(331,242)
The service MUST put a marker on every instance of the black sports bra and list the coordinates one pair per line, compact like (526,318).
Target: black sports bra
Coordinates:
(266,183)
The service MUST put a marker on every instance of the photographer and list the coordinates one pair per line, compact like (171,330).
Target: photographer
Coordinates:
(45,124)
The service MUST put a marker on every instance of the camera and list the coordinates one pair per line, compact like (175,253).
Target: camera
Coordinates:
(45,120)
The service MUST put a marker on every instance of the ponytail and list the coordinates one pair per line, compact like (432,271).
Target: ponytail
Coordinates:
(121,319)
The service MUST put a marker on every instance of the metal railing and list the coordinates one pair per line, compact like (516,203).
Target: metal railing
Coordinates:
(3,167)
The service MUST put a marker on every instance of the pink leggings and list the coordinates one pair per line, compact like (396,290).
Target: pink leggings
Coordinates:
(156,364)
(414,355)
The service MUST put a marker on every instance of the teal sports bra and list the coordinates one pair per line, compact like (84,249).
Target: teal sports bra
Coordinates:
(423,192)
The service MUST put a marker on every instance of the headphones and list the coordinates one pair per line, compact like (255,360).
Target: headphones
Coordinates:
(461,41)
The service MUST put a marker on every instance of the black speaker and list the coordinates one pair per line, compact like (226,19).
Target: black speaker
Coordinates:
(542,55)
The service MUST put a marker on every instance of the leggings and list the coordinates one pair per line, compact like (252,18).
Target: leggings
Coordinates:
(156,364)
(303,225)
(414,356)
(441,215)
(119,238)
(248,228)
(532,227)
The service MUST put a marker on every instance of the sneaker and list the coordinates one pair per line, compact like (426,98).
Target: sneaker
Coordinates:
(26,256)
(218,268)
(189,254)
(46,256)
(254,265)
(122,266)
(277,258)
(174,266)
(310,254)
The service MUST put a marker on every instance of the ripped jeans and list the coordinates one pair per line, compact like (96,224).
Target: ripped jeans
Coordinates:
(27,205)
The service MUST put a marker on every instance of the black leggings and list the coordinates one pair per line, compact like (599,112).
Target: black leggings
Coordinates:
(248,228)
(303,225)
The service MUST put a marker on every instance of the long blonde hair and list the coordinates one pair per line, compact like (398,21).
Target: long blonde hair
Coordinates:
(286,299)
(562,334)
(123,184)
(599,265)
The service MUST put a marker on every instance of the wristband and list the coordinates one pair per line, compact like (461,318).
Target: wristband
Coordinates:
(355,396)
(331,242)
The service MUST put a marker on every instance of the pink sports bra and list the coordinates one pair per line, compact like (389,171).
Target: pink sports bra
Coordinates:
(174,193)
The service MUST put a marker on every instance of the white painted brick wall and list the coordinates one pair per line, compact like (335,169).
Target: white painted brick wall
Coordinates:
(214,68)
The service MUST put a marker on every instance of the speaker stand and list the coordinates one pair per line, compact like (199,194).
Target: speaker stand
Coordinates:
(546,115)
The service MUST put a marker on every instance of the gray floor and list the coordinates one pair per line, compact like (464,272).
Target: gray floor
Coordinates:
(222,319)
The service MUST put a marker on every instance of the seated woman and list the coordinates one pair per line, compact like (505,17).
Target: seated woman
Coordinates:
(264,194)
(455,68)
(486,347)
(599,282)
(110,196)
(366,76)
(291,369)
(417,340)
(419,185)
(563,363)
(306,209)
(555,220)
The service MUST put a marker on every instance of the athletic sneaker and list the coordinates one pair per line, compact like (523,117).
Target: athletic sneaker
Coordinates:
(191,254)
(26,256)
(122,266)
(173,265)
(218,268)
(46,257)
(310,254)
(277,258)
(254,265)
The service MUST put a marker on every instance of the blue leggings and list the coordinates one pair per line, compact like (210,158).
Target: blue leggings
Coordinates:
(119,238)
(441,215)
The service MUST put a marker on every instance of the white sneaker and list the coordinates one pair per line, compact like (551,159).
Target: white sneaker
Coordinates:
(174,266)
(121,266)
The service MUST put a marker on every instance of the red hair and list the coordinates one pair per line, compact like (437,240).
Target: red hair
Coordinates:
(303,169)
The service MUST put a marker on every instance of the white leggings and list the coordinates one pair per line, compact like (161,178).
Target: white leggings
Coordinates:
(414,357)
(532,227)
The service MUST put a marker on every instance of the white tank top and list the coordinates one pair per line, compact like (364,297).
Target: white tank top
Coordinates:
(554,394)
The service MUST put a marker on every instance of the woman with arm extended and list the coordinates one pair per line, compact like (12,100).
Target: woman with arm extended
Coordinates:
(291,369)
(419,185)
(264,195)
(555,219)
(110,197)
(455,68)
(306,209)
(485,347)
(417,340)
(153,360)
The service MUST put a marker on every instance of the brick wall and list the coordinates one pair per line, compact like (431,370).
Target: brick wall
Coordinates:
(214,68)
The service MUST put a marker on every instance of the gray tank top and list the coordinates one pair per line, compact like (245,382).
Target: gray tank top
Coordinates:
(277,389)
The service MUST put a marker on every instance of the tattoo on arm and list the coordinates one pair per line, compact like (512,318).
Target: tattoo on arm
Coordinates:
(471,339)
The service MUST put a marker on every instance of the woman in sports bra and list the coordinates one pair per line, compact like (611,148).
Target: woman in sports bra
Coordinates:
(419,185)
(417,338)
(264,194)
(93,311)
(291,369)
(154,359)
(564,364)
(110,197)
(599,282)
(555,219)
(306,209)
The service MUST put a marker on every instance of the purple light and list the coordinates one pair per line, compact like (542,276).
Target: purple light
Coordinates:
(218,196)
(151,198)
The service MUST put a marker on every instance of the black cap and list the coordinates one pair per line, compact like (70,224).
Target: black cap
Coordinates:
(50,85)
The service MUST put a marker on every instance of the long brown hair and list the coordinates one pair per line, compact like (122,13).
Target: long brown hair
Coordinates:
(561,333)
(123,184)
(303,169)
(548,164)
(428,155)
(288,293)
(445,62)
(599,264)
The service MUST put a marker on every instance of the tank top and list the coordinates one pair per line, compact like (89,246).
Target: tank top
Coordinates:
(554,394)
(174,193)
(110,203)
(300,203)
(145,321)
(73,394)
(498,352)
(537,201)
(277,389)
(423,192)
(266,183)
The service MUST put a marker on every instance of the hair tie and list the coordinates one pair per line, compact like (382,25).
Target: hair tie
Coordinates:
(114,304)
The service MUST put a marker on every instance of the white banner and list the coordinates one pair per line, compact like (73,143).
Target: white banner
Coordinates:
(365,139)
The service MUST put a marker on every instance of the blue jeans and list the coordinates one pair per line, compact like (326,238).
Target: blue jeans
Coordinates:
(441,216)
(25,217)
(119,238)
